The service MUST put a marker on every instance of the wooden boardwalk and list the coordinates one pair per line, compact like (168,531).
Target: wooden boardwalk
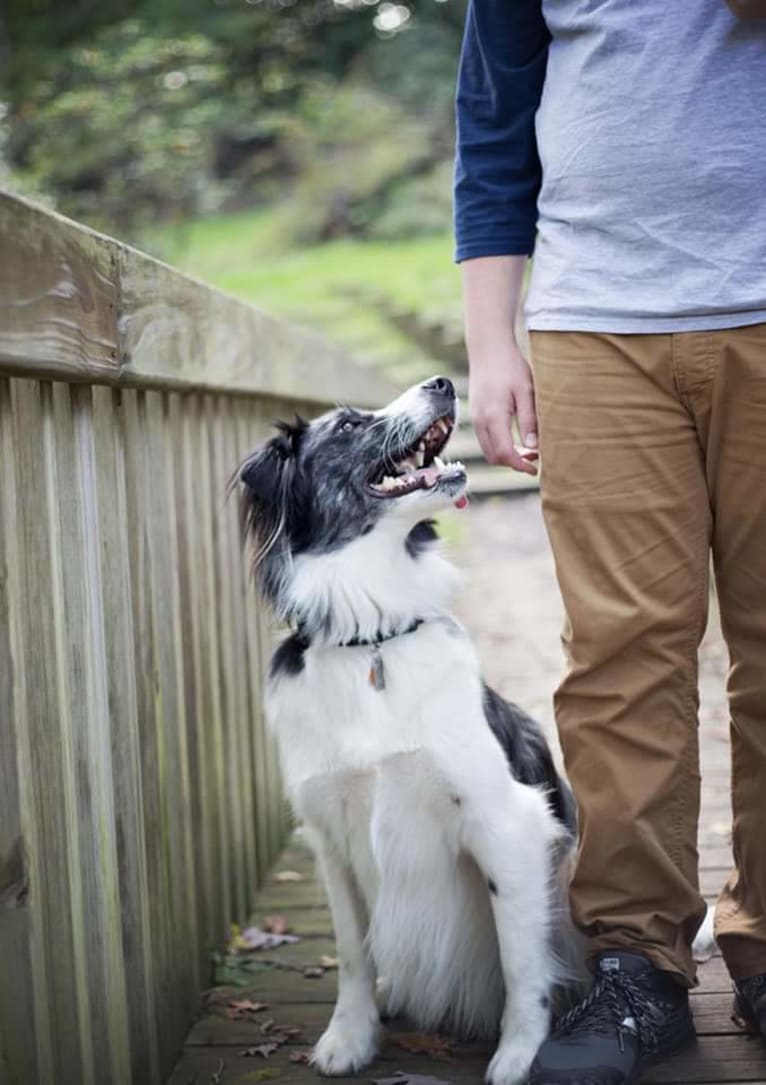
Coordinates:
(511,605)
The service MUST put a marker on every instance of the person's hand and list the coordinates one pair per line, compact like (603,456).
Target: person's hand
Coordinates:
(499,390)
(748,9)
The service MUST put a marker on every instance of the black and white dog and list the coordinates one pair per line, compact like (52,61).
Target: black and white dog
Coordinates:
(441,827)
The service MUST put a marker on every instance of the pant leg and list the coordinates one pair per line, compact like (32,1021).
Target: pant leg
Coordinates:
(737,479)
(626,507)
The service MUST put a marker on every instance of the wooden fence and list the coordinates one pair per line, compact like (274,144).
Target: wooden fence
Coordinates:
(139,798)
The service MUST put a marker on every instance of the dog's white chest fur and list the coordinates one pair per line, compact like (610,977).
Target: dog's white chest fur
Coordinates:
(396,783)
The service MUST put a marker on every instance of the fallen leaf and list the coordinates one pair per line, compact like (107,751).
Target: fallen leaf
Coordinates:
(254,938)
(236,1011)
(313,973)
(235,938)
(287,1032)
(288,876)
(425,1043)
(264,1050)
(301,1056)
(275,924)
(329,962)
(261,1075)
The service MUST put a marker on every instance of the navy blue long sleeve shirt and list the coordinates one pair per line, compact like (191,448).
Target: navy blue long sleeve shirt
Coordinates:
(497,168)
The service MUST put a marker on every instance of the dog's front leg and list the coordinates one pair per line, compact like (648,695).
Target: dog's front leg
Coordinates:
(510,837)
(350,1041)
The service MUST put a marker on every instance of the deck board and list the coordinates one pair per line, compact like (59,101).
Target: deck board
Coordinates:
(510,603)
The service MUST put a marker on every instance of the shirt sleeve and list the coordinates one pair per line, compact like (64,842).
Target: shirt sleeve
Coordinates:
(497,168)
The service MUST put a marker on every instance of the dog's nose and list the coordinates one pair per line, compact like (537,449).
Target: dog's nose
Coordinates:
(442,385)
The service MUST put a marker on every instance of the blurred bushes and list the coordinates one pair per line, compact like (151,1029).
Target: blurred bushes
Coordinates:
(129,114)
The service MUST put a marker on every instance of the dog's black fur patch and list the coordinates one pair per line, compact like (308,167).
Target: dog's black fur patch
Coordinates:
(288,657)
(421,537)
(528,754)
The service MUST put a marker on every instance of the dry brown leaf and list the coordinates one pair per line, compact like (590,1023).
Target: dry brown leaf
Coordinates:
(288,1032)
(301,1056)
(263,1050)
(313,973)
(276,924)
(288,876)
(244,1008)
(329,962)
(426,1043)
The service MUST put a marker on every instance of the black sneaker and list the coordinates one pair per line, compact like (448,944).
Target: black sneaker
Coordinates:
(750,1005)
(633,1017)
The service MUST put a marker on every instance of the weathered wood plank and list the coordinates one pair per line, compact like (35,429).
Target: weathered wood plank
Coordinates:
(140,479)
(715,1060)
(58,296)
(256,662)
(211,654)
(227,453)
(262,427)
(84,715)
(42,639)
(712,1017)
(166,594)
(184,420)
(170,710)
(233,694)
(24,1014)
(115,571)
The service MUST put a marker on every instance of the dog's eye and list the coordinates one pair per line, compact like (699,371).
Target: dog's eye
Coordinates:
(348,425)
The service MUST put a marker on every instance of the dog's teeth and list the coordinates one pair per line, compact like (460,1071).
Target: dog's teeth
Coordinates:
(443,426)
(439,463)
(421,456)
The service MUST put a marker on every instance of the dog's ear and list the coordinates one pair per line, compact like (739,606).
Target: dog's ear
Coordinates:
(268,486)
(265,474)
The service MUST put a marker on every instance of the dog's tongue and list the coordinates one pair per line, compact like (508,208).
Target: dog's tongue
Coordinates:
(461,502)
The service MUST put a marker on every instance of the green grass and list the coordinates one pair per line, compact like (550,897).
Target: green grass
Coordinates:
(343,288)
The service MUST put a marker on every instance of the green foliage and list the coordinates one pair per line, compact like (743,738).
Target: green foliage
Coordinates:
(351,146)
(417,206)
(133,112)
(122,133)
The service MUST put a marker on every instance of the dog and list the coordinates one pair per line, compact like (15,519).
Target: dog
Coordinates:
(441,827)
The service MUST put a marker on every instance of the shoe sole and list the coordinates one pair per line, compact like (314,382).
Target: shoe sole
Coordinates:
(743,1019)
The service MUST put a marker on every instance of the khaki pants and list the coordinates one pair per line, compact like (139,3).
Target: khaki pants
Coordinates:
(654,452)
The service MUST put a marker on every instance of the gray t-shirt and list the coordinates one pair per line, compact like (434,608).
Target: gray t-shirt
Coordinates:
(652,137)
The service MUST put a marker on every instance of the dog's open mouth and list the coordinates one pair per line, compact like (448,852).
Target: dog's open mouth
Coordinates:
(420,468)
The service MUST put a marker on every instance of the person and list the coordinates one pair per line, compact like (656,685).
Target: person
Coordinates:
(626,144)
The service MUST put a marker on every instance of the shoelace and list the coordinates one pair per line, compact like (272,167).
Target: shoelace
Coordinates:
(614,997)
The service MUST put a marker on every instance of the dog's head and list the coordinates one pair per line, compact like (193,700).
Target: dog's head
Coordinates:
(317,488)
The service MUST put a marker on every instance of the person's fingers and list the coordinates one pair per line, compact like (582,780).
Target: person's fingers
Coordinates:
(526,414)
(495,434)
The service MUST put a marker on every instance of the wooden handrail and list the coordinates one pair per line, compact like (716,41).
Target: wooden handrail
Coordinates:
(78,306)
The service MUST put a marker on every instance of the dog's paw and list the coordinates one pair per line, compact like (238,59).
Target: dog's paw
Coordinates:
(345,1047)
(510,1063)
